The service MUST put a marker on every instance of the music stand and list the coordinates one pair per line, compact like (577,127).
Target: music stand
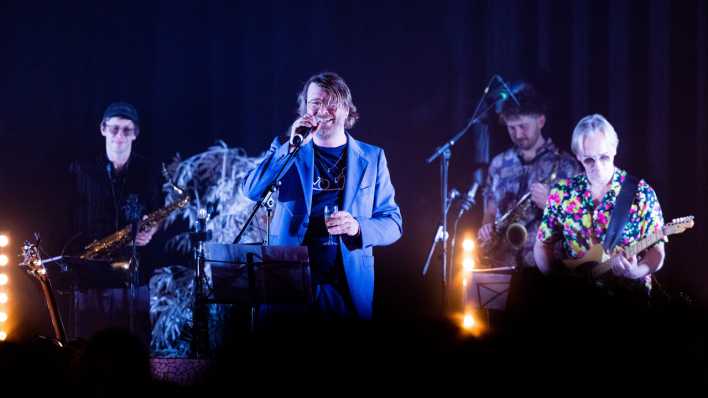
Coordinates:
(489,288)
(73,274)
(96,274)
(254,275)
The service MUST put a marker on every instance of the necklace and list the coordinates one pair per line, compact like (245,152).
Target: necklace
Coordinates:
(322,161)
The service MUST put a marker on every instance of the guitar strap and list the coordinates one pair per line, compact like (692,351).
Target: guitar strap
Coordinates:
(620,214)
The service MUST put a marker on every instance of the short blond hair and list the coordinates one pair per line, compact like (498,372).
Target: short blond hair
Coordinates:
(588,125)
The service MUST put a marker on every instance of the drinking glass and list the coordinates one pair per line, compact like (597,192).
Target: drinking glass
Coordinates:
(329,210)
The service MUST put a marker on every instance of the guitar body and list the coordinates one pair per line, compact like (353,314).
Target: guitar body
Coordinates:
(592,269)
(595,256)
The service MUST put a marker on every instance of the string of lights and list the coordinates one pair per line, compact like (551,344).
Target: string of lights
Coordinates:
(4,283)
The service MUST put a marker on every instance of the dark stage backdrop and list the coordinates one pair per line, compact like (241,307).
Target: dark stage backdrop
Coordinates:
(206,70)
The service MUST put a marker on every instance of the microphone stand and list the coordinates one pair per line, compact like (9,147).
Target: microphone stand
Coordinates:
(266,200)
(454,232)
(444,152)
(438,237)
(267,197)
(467,204)
(200,321)
(132,211)
(269,205)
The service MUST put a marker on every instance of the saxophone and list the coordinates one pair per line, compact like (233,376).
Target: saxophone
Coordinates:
(102,249)
(510,227)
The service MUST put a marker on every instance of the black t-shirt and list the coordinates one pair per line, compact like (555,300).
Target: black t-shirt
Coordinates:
(99,198)
(327,189)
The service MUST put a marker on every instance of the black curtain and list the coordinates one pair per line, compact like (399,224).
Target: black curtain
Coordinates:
(202,71)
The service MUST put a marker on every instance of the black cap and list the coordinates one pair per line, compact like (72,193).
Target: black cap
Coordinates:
(121,109)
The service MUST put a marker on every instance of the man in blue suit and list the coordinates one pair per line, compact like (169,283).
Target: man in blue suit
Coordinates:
(331,169)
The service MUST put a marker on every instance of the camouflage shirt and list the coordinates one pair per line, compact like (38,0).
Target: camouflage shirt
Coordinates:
(510,177)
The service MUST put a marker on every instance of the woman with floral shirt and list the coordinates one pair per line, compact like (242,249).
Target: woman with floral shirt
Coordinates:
(579,209)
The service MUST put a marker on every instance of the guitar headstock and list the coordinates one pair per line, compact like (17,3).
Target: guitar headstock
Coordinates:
(678,225)
(32,261)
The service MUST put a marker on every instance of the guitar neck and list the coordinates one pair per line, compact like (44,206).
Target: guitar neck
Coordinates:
(644,243)
(632,250)
(675,227)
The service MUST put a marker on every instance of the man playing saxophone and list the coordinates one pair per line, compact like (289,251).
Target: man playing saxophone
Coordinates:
(518,183)
(102,185)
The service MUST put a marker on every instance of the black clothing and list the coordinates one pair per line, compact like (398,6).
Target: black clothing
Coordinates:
(100,194)
(327,190)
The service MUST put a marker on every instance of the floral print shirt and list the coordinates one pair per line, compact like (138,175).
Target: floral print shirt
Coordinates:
(574,218)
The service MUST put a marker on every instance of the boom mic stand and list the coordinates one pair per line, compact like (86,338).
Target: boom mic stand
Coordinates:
(266,198)
(444,153)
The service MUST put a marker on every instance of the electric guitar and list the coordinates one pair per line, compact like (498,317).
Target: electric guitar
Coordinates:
(596,261)
(32,264)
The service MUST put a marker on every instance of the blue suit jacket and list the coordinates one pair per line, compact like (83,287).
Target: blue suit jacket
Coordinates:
(368,196)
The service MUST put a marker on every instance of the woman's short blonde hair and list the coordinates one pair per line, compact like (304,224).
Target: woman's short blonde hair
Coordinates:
(588,125)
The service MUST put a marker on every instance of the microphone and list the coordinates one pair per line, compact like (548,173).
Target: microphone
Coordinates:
(516,87)
(469,199)
(202,217)
(454,194)
(201,233)
(301,133)
(506,92)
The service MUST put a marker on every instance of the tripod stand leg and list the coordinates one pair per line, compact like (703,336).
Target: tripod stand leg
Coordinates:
(132,294)
(436,239)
